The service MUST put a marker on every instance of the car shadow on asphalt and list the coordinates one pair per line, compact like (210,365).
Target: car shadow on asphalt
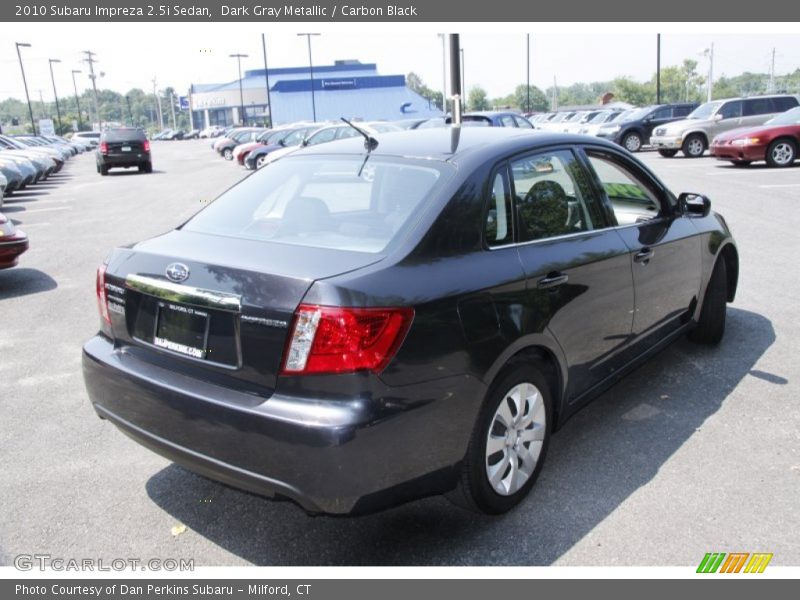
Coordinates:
(600,458)
(18,281)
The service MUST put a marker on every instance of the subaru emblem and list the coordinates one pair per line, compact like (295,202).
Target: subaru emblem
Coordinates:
(177,272)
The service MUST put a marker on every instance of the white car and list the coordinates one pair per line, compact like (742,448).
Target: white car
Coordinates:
(87,137)
(593,125)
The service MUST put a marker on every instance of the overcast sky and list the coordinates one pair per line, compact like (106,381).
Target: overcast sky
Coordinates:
(131,55)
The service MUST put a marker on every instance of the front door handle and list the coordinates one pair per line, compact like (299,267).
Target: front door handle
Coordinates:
(643,256)
(552,280)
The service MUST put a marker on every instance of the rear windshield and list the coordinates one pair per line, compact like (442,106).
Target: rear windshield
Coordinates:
(123,135)
(337,202)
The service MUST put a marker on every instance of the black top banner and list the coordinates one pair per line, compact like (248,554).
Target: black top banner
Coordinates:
(402,11)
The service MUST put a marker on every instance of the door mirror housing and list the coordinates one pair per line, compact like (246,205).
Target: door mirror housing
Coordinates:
(717,117)
(694,205)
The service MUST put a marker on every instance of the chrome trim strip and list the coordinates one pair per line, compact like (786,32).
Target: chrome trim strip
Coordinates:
(185,294)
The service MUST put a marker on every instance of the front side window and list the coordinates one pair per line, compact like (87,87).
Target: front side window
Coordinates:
(731,110)
(550,196)
(662,113)
(341,202)
(631,198)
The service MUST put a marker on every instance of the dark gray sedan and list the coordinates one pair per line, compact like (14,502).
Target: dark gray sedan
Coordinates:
(364,323)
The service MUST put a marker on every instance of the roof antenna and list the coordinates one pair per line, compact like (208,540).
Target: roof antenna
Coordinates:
(370,143)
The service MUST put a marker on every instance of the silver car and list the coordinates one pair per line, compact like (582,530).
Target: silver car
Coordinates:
(693,134)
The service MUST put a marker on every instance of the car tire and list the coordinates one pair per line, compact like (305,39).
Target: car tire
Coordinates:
(711,324)
(228,153)
(694,146)
(261,161)
(103,170)
(741,163)
(781,153)
(521,394)
(632,141)
(668,153)
(148,167)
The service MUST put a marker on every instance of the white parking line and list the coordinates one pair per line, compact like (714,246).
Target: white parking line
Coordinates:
(780,185)
(38,210)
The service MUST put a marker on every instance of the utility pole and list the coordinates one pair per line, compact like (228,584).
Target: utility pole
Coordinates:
(239,58)
(158,105)
(710,72)
(771,88)
(90,59)
(25,83)
(266,79)
(52,77)
(444,74)
(41,101)
(658,68)
(311,73)
(172,106)
(528,71)
(78,102)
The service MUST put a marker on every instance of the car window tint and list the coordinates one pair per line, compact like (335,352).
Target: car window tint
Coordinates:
(339,203)
(548,198)
(507,121)
(523,123)
(681,111)
(757,106)
(630,198)
(498,227)
(326,135)
(662,113)
(731,110)
(784,103)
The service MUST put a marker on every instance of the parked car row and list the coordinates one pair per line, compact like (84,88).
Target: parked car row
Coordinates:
(26,160)
(725,127)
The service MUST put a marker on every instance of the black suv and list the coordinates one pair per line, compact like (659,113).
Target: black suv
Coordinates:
(123,147)
(635,131)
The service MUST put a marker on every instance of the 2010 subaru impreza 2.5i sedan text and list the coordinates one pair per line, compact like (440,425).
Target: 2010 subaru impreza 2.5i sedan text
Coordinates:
(364,323)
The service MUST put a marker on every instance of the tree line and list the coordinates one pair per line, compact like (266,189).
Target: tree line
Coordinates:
(681,83)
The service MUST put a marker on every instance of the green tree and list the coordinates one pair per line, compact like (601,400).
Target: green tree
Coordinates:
(633,92)
(478,100)
(414,83)
(538,101)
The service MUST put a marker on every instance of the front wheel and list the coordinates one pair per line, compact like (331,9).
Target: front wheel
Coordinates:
(261,161)
(509,443)
(228,153)
(632,142)
(781,153)
(694,146)
(711,324)
(667,153)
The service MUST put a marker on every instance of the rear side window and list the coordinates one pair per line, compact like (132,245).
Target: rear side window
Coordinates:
(784,103)
(681,111)
(523,123)
(550,196)
(508,121)
(757,106)
(342,203)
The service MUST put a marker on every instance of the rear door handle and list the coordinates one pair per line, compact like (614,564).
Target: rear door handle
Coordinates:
(552,280)
(643,256)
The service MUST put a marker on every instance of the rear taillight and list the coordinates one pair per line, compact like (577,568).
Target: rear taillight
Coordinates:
(103,148)
(102,300)
(146,146)
(327,339)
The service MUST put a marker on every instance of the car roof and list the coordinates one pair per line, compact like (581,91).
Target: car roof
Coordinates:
(437,143)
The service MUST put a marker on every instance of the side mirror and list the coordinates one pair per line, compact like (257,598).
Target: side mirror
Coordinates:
(717,117)
(695,205)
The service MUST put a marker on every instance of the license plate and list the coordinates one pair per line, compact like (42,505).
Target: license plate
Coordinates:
(182,329)
(126,148)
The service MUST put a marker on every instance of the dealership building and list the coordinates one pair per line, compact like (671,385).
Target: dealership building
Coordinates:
(348,88)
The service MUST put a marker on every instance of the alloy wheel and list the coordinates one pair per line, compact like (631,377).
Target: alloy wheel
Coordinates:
(783,153)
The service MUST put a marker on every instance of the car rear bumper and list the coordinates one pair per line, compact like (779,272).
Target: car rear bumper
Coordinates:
(127,159)
(738,153)
(347,456)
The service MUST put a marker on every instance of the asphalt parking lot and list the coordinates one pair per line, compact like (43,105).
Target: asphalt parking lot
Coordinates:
(697,451)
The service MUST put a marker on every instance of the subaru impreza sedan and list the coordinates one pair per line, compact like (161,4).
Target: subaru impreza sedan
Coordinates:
(363,323)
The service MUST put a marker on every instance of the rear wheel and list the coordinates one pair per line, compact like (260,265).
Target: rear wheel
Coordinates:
(103,170)
(509,443)
(694,146)
(632,141)
(667,153)
(711,324)
(261,161)
(781,153)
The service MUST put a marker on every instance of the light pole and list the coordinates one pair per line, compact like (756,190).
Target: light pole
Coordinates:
(52,77)
(311,71)
(25,82)
(658,68)
(444,73)
(463,81)
(239,58)
(528,69)
(78,102)
(710,54)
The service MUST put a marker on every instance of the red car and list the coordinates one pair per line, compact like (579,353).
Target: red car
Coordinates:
(13,242)
(776,141)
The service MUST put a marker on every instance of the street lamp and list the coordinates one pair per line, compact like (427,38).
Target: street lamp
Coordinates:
(78,102)
(25,82)
(53,79)
(239,58)
(311,71)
